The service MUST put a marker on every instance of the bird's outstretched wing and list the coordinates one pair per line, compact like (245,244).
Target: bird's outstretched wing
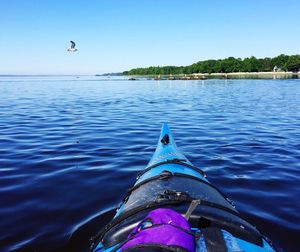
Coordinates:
(72,44)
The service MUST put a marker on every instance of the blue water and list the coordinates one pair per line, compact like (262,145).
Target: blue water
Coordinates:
(70,147)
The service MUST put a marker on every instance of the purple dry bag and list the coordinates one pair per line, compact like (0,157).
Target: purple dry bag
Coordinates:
(161,228)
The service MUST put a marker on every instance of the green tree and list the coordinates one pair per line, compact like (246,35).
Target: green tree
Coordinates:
(227,65)
(293,63)
(280,61)
(266,65)
(251,64)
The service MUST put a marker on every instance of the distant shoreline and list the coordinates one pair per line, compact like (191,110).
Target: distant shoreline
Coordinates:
(229,67)
(235,75)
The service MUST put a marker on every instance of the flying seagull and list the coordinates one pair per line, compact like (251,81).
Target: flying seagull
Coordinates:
(72,49)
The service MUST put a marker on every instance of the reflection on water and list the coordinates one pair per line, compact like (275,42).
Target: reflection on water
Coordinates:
(70,147)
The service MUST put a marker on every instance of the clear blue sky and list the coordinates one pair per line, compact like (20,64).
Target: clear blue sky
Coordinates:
(113,35)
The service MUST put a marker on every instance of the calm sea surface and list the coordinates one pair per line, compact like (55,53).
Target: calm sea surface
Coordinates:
(70,147)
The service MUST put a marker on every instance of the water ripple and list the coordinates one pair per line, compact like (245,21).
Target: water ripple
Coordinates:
(69,149)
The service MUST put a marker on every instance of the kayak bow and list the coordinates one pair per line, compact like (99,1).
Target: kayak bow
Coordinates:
(171,181)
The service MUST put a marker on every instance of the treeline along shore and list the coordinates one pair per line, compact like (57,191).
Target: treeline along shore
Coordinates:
(282,66)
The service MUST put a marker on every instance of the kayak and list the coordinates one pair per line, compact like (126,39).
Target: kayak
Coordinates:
(170,182)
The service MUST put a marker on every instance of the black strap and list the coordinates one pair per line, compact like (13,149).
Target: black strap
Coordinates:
(98,237)
(173,161)
(161,201)
(168,174)
(183,197)
(168,198)
(214,240)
